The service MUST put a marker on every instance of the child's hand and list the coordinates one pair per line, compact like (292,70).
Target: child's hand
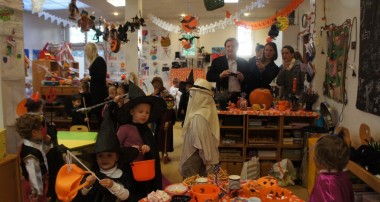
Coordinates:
(145,149)
(91,180)
(86,119)
(166,125)
(107,183)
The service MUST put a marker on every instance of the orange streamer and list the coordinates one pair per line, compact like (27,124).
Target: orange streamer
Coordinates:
(269,21)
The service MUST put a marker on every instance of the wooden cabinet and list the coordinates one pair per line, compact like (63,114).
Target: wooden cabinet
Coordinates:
(10,187)
(272,135)
(232,140)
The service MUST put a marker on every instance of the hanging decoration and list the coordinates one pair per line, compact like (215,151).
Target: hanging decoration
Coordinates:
(85,22)
(73,10)
(268,22)
(56,19)
(212,27)
(189,23)
(37,5)
(188,42)
(338,47)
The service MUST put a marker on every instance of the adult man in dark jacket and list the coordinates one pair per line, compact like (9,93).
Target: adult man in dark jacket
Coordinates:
(228,70)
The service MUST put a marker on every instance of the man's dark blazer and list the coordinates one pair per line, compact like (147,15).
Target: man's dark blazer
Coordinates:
(220,64)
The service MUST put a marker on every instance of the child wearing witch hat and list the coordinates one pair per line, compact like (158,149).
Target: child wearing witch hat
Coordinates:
(134,117)
(110,166)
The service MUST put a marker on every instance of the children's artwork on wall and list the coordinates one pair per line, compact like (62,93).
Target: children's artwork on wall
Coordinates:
(156,54)
(35,54)
(368,97)
(116,63)
(337,41)
(216,52)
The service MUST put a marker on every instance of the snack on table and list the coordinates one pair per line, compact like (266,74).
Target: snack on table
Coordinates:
(158,196)
(222,175)
(190,181)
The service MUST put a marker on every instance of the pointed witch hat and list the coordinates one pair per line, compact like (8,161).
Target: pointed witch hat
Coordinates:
(189,81)
(107,141)
(137,96)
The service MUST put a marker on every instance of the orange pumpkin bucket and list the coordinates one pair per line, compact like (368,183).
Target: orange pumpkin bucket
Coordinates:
(205,192)
(68,182)
(143,170)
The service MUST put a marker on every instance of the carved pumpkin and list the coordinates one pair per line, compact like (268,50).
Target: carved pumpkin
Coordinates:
(261,96)
(272,194)
(267,182)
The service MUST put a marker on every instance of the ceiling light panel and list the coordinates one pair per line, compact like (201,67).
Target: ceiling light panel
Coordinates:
(117,3)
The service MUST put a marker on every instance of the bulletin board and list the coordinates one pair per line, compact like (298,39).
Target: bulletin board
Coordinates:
(368,97)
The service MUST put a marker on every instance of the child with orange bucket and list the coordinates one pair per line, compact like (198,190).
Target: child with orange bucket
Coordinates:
(134,117)
(36,143)
(111,181)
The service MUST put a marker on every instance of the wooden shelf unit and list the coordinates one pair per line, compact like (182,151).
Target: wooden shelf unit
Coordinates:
(270,124)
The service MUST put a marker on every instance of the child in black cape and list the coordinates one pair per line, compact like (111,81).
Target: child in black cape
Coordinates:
(110,165)
(134,117)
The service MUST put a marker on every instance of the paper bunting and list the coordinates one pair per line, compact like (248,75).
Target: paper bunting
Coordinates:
(269,21)
(212,27)
(55,19)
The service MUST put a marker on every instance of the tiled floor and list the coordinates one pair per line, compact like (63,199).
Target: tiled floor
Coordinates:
(171,169)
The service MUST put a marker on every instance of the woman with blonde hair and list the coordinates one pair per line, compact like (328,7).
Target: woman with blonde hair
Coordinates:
(97,77)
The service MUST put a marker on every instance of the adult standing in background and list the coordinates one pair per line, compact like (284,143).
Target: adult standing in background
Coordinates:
(290,69)
(97,78)
(228,70)
(262,70)
(200,131)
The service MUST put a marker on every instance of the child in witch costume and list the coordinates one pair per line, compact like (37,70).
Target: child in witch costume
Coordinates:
(33,161)
(134,131)
(164,133)
(110,166)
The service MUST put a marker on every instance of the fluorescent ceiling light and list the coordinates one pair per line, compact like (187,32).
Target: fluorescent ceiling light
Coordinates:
(231,1)
(117,3)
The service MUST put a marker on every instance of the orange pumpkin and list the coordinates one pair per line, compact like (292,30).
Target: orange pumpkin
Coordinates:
(261,96)
(267,182)
(186,44)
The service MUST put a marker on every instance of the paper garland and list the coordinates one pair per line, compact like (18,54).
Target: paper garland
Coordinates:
(212,27)
(56,19)
(268,22)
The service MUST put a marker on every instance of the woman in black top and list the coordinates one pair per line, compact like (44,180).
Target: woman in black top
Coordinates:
(97,78)
(262,71)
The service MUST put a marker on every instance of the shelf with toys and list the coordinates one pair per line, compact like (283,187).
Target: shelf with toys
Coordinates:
(270,134)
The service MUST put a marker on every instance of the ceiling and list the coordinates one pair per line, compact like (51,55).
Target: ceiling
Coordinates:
(164,9)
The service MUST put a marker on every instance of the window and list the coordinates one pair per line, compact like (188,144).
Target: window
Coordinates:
(244,37)
(78,39)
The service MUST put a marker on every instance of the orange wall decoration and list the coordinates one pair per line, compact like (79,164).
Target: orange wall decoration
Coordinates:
(268,22)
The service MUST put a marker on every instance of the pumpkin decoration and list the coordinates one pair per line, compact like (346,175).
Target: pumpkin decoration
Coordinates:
(267,182)
(189,23)
(251,189)
(272,194)
(188,42)
(261,96)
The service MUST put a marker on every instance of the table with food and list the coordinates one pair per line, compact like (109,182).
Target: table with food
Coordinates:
(221,187)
